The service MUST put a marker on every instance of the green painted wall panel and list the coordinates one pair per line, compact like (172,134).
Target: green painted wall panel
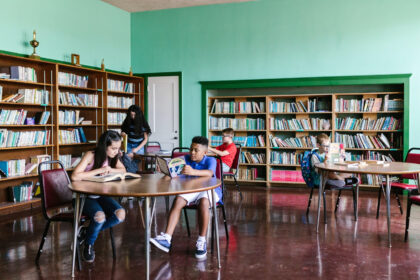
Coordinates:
(279,39)
(91,28)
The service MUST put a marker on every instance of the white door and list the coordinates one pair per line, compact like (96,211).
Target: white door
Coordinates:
(163,110)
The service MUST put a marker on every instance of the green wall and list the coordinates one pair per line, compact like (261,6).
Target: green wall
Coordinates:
(279,39)
(91,28)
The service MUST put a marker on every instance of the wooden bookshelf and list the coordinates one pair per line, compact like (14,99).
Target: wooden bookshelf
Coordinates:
(324,108)
(48,79)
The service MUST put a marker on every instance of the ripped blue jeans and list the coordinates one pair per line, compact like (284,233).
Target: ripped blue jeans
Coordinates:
(105,204)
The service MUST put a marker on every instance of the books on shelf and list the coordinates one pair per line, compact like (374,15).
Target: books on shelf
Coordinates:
(1,92)
(120,102)
(69,161)
(248,157)
(71,136)
(116,118)
(33,96)
(36,160)
(312,105)
(301,124)
(116,85)
(23,73)
(236,124)
(286,176)
(384,123)
(42,117)
(358,105)
(248,174)
(13,117)
(393,105)
(231,107)
(13,168)
(362,141)
(370,155)
(69,79)
(112,177)
(9,138)
(81,99)
(70,117)
(291,158)
(293,142)
(21,192)
(244,141)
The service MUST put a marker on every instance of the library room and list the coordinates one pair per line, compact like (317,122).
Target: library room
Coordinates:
(212,139)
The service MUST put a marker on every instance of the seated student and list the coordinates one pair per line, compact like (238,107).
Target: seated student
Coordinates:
(104,212)
(334,179)
(197,164)
(227,150)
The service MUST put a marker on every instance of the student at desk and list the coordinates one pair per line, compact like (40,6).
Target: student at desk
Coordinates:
(103,211)
(197,164)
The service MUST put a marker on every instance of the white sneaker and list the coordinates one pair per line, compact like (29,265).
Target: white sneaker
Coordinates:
(201,249)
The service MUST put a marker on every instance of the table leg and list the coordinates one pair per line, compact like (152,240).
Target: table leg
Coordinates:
(147,234)
(357,203)
(76,229)
(321,189)
(388,209)
(216,227)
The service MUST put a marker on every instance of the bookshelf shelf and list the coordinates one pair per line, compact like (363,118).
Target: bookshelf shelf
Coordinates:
(301,113)
(49,78)
(8,207)
(114,124)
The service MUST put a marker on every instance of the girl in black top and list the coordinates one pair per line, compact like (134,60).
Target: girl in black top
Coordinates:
(137,129)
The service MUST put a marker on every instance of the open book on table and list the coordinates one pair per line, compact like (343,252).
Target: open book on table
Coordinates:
(113,177)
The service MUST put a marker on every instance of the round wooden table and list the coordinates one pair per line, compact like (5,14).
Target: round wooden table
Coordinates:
(149,185)
(391,168)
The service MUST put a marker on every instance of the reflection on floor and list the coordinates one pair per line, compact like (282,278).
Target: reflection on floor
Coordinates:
(270,238)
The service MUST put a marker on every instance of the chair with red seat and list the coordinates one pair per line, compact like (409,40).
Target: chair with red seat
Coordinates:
(413,156)
(56,195)
(150,162)
(179,152)
(233,172)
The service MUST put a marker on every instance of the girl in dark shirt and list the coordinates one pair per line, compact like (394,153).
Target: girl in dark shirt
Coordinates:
(137,129)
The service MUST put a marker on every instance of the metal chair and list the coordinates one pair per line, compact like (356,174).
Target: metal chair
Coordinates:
(56,195)
(399,187)
(233,172)
(150,162)
(179,152)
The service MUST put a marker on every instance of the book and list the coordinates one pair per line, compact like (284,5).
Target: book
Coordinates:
(173,168)
(113,177)
(335,152)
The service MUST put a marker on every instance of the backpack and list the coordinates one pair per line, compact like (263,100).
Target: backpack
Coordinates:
(306,167)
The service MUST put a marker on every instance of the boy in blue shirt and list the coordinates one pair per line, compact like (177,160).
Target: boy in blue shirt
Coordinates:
(197,164)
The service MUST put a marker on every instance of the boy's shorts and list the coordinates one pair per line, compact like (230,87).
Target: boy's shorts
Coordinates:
(194,198)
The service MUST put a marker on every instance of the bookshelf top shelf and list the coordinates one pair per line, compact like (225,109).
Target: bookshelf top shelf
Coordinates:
(25,83)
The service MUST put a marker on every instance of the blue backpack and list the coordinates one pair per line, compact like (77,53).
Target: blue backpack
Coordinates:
(306,166)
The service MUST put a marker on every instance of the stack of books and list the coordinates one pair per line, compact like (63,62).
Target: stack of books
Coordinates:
(71,136)
(69,79)
(10,138)
(358,105)
(384,123)
(67,98)
(13,117)
(362,141)
(248,174)
(116,118)
(231,107)
(293,142)
(23,73)
(301,124)
(33,96)
(244,141)
(69,161)
(247,157)
(291,158)
(12,168)
(116,85)
(21,192)
(120,102)
(236,124)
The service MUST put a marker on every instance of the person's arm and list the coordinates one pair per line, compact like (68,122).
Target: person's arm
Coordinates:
(79,172)
(188,170)
(218,152)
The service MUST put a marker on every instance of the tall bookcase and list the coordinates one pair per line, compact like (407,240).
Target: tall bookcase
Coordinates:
(322,114)
(77,99)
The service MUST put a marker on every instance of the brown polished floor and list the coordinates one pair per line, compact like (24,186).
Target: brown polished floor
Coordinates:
(270,238)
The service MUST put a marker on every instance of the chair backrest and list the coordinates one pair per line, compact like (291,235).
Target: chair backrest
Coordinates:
(235,163)
(54,187)
(153,146)
(178,152)
(413,156)
(219,173)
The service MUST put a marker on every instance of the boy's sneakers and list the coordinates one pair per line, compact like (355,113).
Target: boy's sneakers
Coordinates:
(201,249)
(88,253)
(162,242)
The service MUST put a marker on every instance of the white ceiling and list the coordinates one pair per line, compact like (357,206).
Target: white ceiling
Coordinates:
(148,5)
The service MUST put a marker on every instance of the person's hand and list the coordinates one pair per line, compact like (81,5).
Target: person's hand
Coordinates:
(105,170)
(130,155)
(188,170)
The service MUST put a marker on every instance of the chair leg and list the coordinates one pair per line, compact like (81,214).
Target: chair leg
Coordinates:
(78,256)
(167,204)
(407,219)
(187,222)
(354,204)
(224,221)
(44,236)
(111,233)
(237,186)
(309,201)
(325,208)
(338,201)
(212,234)
(379,201)
(399,203)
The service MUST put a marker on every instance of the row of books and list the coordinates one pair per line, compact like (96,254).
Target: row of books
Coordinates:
(277,157)
(21,73)
(120,102)
(248,157)
(12,168)
(71,117)
(277,175)
(244,141)
(237,124)
(116,85)
(69,161)
(9,138)
(231,107)
(370,155)
(248,174)
(302,124)
(116,118)
(384,123)
(71,136)
(19,117)
(394,105)
(81,99)
(311,105)
(362,141)
(69,79)
(293,142)
(33,96)
(21,192)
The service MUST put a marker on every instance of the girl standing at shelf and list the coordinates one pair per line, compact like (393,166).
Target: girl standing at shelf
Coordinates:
(137,129)
(103,212)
